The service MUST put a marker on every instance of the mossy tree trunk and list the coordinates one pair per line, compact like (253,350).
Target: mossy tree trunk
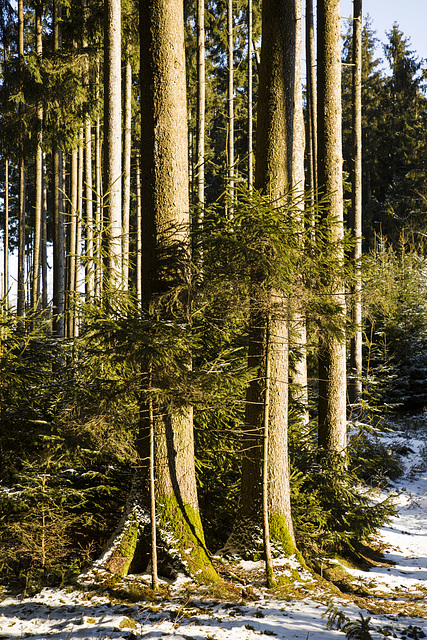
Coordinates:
(165,264)
(273,175)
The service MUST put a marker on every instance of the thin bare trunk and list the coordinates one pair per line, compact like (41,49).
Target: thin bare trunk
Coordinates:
(21,212)
(332,435)
(127,151)
(154,576)
(89,279)
(311,97)
(299,378)
(271,583)
(355,386)
(58,219)
(230,99)
(6,235)
(72,247)
(112,143)
(200,134)
(250,98)
(44,239)
(98,180)
(138,260)
(39,174)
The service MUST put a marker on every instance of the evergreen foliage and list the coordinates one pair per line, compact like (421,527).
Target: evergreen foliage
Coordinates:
(70,409)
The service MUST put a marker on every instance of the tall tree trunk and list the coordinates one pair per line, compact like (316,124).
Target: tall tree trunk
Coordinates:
(89,264)
(250,98)
(44,239)
(6,235)
(21,212)
(166,223)
(138,258)
(112,188)
(72,246)
(58,220)
(39,173)
(200,134)
(355,385)
(299,377)
(273,174)
(230,99)
(311,98)
(99,197)
(127,151)
(332,436)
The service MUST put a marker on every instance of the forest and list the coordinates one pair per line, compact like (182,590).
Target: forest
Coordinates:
(214,288)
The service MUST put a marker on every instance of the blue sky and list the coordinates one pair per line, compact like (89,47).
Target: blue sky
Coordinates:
(411,16)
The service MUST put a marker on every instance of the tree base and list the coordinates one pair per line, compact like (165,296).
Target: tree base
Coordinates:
(180,542)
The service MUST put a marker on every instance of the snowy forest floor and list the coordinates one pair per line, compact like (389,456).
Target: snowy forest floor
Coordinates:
(385,600)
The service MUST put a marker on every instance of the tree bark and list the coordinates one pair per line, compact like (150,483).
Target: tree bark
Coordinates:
(127,151)
(21,198)
(200,134)
(58,220)
(35,290)
(99,198)
(355,384)
(230,100)
(6,235)
(298,321)
(332,435)
(112,144)
(269,320)
(166,222)
(250,97)
(138,258)
(311,99)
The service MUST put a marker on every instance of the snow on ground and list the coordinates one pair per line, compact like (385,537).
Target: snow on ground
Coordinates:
(61,614)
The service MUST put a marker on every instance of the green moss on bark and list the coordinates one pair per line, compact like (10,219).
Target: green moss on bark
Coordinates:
(279,532)
(121,558)
(186,528)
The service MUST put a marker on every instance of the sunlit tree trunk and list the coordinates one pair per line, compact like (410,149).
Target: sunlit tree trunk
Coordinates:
(89,198)
(127,151)
(21,196)
(200,134)
(138,258)
(58,220)
(299,337)
(35,291)
(72,246)
(355,384)
(166,226)
(250,97)
(332,436)
(269,321)
(99,198)
(311,98)
(6,235)
(112,188)
(44,240)
(230,99)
